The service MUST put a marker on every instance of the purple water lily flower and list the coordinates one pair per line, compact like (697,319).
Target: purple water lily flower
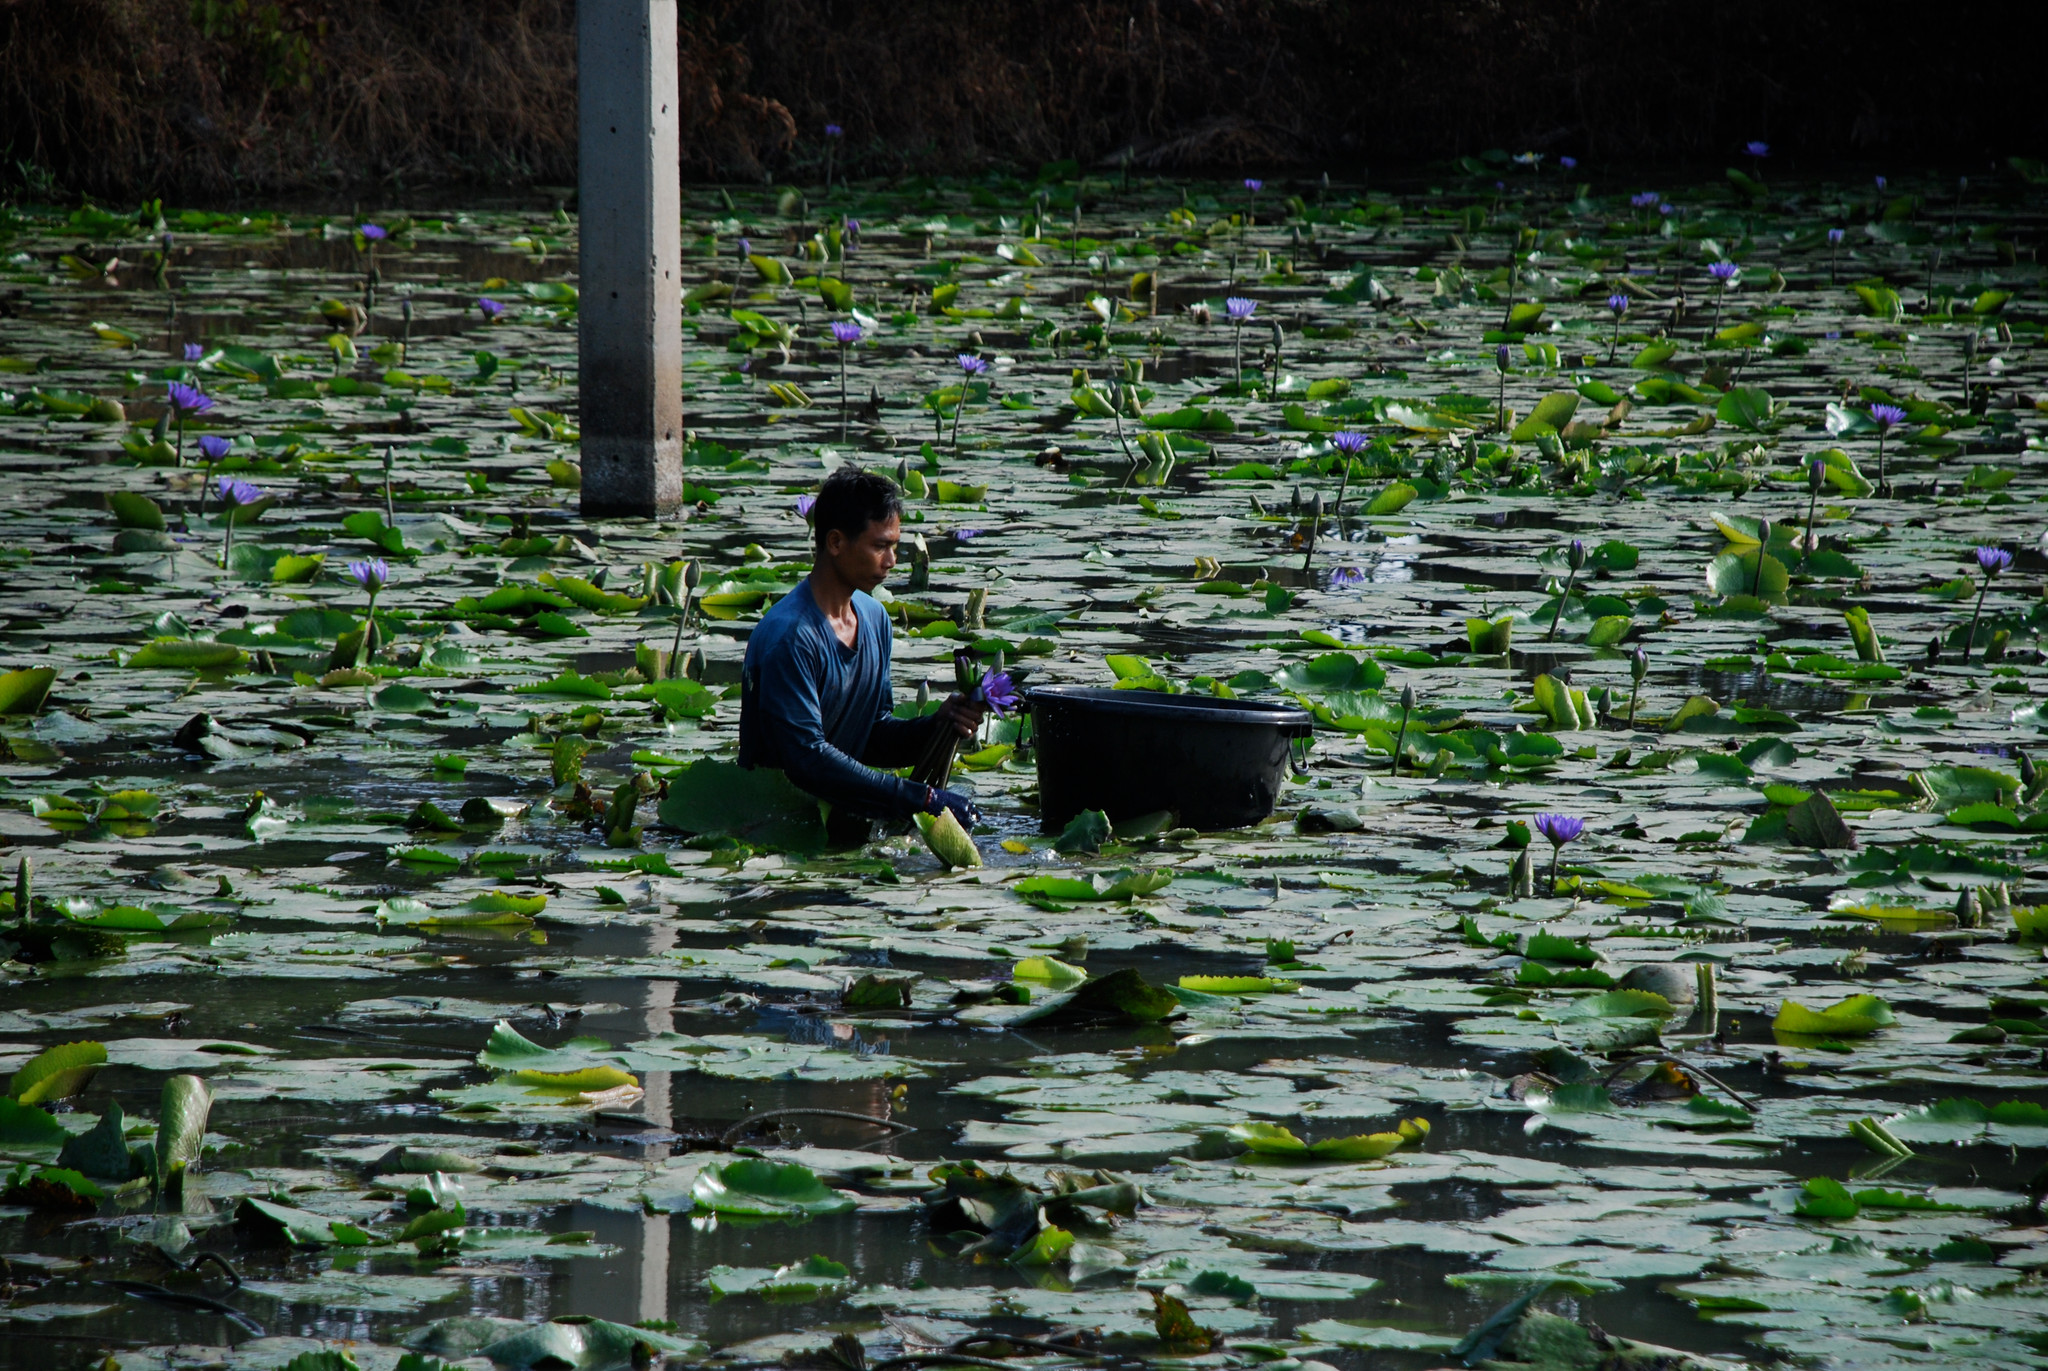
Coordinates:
(847,332)
(193,352)
(746,247)
(1618,303)
(375,233)
(1991,560)
(1722,271)
(999,692)
(1568,163)
(214,446)
(970,364)
(1346,577)
(1500,356)
(237,492)
(1835,235)
(834,131)
(371,573)
(1645,199)
(1348,442)
(804,505)
(1667,210)
(1887,416)
(1559,829)
(968,535)
(187,399)
(1254,186)
(1882,183)
(1755,149)
(490,309)
(1239,309)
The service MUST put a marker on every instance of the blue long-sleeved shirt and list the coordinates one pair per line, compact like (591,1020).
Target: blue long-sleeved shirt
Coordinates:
(819,710)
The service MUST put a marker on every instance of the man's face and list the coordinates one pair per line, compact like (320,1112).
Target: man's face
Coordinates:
(866,561)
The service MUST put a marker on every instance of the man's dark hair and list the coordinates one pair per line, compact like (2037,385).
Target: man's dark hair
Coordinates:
(850,500)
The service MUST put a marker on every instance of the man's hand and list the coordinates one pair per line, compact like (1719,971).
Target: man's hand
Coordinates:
(963,808)
(963,714)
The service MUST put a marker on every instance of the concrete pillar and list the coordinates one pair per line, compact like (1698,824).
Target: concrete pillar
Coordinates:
(629,200)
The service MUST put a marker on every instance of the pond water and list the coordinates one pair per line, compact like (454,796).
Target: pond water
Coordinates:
(479,1052)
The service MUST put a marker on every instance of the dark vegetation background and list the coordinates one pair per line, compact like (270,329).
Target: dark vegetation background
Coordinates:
(213,98)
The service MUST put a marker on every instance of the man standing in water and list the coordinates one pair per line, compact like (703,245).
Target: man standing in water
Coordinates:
(814,693)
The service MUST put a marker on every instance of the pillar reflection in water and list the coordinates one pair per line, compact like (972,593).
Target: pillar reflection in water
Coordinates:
(634,1285)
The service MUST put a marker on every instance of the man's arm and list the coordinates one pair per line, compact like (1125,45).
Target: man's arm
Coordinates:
(788,698)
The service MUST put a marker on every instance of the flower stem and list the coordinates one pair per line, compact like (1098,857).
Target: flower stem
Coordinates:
(842,392)
(1634,689)
(1807,546)
(1883,488)
(181,447)
(1556,851)
(1236,355)
(369,627)
(1562,601)
(1970,639)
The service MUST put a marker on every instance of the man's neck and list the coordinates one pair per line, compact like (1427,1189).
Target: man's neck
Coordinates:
(832,593)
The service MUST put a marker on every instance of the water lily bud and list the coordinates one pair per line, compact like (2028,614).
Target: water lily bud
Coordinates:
(693,575)
(1638,664)
(2027,771)
(1970,344)
(924,695)
(1407,697)
(1816,475)
(1500,356)
(903,473)
(1763,533)
(1576,556)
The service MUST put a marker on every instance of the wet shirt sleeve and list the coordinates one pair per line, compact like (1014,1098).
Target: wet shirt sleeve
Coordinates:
(788,697)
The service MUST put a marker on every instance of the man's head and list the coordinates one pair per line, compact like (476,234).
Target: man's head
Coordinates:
(857,521)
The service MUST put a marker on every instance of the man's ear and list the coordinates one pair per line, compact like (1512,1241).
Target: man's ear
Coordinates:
(833,543)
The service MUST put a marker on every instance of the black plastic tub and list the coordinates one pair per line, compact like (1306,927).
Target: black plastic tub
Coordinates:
(1214,763)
